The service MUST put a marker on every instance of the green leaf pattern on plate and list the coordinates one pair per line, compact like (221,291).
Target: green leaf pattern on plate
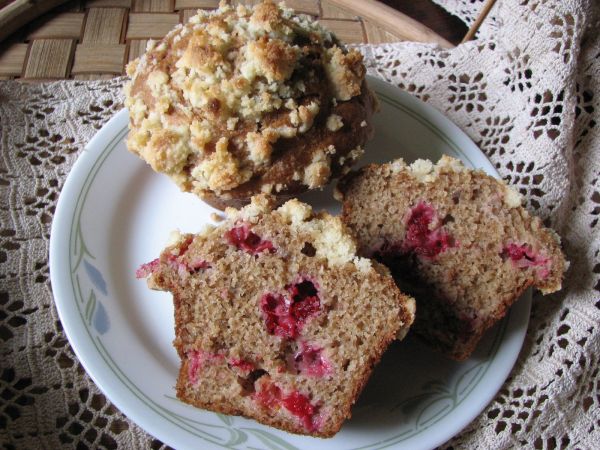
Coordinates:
(227,420)
(270,440)
(90,307)
(436,397)
(95,313)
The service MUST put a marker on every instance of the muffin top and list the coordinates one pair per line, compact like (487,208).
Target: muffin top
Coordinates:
(209,102)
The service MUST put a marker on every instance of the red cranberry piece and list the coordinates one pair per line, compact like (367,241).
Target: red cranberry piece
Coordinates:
(243,238)
(198,264)
(305,300)
(300,406)
(523,256)
(310,360)
(183,247)
(423,234)
(269,395)
(285,316)
(242,364)
(147,269)
(276,312)
(185,268)
(194,365)
(175,263)
(197,360)
(517,252)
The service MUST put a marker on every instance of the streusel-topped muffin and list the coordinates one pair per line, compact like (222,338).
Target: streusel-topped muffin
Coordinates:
(241,101)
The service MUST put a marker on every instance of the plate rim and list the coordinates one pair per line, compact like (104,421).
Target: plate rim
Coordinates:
(95,151)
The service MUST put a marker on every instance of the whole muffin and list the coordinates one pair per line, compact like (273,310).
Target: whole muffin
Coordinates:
(240,101)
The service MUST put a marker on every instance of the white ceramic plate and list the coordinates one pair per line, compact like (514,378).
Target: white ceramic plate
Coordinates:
(114,213)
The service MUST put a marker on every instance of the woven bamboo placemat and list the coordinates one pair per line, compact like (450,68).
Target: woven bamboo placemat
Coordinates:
(94,39)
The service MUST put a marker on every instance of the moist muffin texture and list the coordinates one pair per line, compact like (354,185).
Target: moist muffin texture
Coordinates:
(241,101)
(276,318)
(456,239)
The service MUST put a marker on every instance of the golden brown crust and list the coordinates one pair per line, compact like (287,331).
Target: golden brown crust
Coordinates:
(240,101)
(302,151)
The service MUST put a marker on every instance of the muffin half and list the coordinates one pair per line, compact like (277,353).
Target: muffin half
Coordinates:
(459,241)
(276,319)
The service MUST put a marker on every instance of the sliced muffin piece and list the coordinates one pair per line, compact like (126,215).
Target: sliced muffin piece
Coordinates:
(456,239)
(276,318)
(241,101)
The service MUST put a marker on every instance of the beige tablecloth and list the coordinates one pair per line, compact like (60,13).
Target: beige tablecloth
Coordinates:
(526,91)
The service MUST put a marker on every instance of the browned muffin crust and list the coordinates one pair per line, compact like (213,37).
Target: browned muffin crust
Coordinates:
(241,101)
(456,239)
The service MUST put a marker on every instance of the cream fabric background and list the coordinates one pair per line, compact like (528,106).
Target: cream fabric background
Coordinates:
(526,91)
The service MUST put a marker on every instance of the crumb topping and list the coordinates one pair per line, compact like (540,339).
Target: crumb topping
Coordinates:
(512,198)
(352,155)
(334,122)
(208,102)
(318,171)
(427,172)
(330,238)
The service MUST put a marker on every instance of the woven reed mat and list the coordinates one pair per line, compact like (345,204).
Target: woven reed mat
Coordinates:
(526,91)
(95,39)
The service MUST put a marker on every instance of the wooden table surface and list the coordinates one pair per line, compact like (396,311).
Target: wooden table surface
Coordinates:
(94,39)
